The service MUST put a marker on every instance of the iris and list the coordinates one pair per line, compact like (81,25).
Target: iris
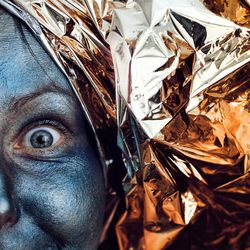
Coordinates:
(41,139)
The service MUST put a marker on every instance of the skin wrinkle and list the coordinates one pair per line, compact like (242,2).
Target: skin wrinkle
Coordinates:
(16,105)
(59,199)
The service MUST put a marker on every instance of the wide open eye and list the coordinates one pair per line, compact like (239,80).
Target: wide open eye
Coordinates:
(41,137)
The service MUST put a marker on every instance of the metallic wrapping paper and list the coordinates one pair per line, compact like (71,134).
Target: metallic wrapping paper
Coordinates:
(237,11)
(183,89)
(179,101)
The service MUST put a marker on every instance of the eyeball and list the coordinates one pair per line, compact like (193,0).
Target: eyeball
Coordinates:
(41,137)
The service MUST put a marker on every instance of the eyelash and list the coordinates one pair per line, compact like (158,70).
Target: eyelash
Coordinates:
(52,123)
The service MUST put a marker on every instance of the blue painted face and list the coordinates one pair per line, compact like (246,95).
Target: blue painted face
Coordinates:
(51,184)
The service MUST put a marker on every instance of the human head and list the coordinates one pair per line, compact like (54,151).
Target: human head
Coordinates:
(51,182)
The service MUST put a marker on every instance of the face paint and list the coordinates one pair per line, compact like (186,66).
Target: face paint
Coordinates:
(51,183)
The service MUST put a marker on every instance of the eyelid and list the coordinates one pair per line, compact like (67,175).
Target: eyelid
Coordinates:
(44,122)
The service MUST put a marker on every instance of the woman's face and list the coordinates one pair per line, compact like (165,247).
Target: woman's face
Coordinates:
(51,183)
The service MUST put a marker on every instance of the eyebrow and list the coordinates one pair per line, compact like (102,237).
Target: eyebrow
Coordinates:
(16,104)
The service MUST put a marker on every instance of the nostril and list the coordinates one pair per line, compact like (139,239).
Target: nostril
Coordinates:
(10,221)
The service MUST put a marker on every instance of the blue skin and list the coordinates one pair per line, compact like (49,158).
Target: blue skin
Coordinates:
(51,197)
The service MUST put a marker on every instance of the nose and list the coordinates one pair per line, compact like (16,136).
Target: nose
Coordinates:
(7,208)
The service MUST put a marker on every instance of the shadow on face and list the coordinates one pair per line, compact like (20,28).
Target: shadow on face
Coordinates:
(51,183)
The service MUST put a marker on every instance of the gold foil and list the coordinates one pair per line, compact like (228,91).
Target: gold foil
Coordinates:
(179,102)
(182,77)
(236,10)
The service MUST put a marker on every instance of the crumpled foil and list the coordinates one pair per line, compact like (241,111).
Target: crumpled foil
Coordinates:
(183,84)
(237,11)
(179,104)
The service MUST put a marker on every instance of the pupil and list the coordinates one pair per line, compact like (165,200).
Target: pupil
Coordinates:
(41,139)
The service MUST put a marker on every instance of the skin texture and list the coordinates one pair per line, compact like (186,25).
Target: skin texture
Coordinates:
(53,197)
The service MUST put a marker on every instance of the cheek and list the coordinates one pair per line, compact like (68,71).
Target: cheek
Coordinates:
(68,202)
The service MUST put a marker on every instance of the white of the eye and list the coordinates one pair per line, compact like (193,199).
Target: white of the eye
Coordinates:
(55,135)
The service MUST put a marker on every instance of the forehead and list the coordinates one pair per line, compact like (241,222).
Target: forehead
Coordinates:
(24,64)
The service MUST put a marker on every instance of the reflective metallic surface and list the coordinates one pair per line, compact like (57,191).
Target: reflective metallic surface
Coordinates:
(180,98)
(237,11)
(183,88)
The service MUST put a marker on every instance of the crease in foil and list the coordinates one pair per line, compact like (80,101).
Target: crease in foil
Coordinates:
(170,80)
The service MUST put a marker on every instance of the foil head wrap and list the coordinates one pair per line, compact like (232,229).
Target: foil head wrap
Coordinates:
(177,99)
